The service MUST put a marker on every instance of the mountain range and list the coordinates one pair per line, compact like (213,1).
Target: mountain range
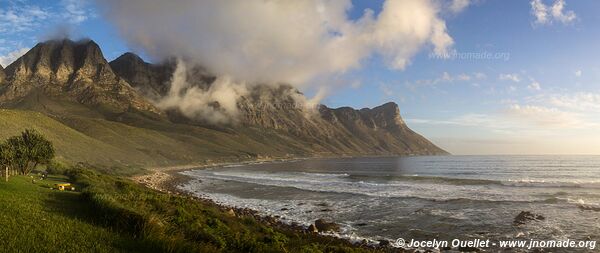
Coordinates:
(108,110)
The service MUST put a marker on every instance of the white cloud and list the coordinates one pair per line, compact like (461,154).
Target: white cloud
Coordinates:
(196,103)
(540,11)
(559,13)
(514,118)
(479,75)
(75,11)
(544,116)
(512,88)
(582,101)
(448,78)
(280,41)
(20,18)
(356,84)
(459,5)
(578,73)
(7,59)
(545,14)
(445,77)
(463,77)
(534,85)
(386,89)
(511,77)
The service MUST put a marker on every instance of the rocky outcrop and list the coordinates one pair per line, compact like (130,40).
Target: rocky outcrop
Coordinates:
(325,226)
(150,80)
(2,75)
(380,130)
(525,216)
(153,80)
(74,71)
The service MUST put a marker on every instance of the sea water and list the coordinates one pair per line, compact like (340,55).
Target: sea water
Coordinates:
(420,198)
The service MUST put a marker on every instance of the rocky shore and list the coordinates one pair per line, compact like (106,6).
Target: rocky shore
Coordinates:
(167,180)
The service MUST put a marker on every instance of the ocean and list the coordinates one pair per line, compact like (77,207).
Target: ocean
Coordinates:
(420,198)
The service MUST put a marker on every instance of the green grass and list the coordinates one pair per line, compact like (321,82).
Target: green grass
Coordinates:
(113,214)
(35,218)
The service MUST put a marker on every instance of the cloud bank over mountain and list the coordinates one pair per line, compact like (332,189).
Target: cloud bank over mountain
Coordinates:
(280,41)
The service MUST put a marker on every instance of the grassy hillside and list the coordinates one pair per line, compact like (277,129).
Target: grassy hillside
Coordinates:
(132,138)
(71,145)
(151,143)
(111,214)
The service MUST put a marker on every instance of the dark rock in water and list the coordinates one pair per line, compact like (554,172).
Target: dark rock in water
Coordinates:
(312,229)
(284,209)
(589,208)
(326,210)
(296,225)
(325,226)
(323,204)
(526,216)
(361,224)
(384,243)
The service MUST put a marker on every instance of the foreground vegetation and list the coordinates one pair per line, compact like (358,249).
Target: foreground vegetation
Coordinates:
(23,153)
(35,218)
(111,214)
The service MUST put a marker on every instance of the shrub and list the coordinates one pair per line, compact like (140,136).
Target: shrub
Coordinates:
(26,151)
(56,168)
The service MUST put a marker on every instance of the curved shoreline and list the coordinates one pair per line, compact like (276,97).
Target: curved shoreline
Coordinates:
(167,180)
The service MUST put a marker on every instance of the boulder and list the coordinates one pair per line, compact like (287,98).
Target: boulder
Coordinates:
(325,226)
(526,216)
(384,243)
(312,229)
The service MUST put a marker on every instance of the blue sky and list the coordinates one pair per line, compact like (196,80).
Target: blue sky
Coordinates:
(536,93)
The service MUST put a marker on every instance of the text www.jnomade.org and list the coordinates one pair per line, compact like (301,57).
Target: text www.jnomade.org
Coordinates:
(480,243)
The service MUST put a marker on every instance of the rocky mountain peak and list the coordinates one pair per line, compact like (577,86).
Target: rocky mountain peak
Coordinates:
(77,68)
(149,79)
(387,115)
(60,60)
(130,58)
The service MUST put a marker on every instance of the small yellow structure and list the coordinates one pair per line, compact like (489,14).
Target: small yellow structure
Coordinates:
(64,186)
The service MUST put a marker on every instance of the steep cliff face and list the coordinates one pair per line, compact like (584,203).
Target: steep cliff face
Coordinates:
(150,80)
(74,71)
(154,80)
(283,108)
(2,75)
